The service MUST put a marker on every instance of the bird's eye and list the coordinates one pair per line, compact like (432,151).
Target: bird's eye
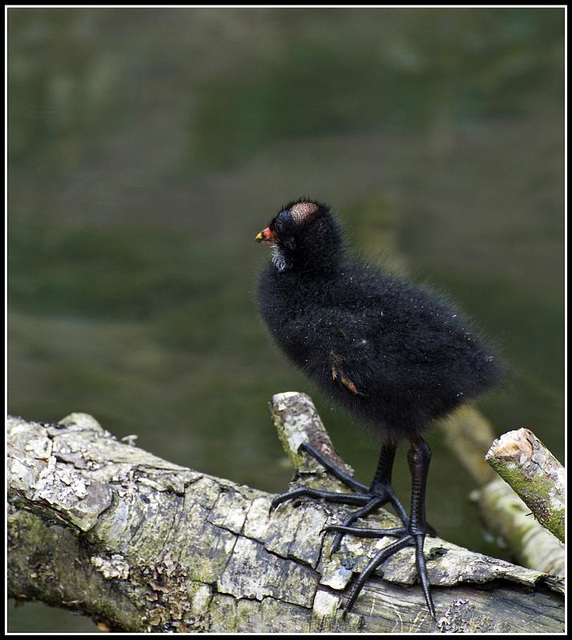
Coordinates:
(279,226)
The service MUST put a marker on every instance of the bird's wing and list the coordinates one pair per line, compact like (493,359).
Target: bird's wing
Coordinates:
(339,373)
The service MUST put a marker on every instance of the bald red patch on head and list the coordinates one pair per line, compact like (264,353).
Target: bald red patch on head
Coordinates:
(301,210)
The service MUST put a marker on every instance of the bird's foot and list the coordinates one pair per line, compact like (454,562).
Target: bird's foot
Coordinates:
(406,536)
(376,498)
(369,498)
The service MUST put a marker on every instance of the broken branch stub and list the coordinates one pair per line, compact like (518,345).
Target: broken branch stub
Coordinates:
(523,461)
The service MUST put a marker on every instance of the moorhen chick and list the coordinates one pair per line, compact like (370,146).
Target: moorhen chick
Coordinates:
(393,353)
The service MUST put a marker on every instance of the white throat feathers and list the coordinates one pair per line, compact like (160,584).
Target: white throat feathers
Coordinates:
(278,259)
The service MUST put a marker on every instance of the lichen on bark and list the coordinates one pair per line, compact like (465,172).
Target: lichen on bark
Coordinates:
(140,544)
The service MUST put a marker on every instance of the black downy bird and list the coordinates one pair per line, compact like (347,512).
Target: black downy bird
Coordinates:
(393,353)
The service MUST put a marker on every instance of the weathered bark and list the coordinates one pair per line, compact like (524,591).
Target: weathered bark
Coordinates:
(507,517)
(140,544)
(521,459)
(504,514)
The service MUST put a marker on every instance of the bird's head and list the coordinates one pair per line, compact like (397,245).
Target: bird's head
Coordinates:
(304,234)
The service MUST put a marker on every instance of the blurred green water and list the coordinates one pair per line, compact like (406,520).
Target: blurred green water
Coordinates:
(148,147)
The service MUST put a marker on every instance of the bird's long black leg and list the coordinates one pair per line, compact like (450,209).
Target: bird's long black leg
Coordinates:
(419,458)
(381,493)
(381,484)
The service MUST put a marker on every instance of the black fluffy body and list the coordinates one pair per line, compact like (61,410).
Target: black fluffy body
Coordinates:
(393,353)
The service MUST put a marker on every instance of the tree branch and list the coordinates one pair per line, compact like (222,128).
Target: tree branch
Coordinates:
(521,459)
(505,515)
(140,544)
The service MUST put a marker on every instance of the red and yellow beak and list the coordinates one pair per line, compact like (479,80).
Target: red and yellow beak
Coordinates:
(266,235)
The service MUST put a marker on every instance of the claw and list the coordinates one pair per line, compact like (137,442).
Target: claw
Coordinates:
(336,544)
(422,573)
(406,537)
(370,499)
(379,558)
(406,540)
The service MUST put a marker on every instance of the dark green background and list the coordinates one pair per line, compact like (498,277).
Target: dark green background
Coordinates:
(147,147)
